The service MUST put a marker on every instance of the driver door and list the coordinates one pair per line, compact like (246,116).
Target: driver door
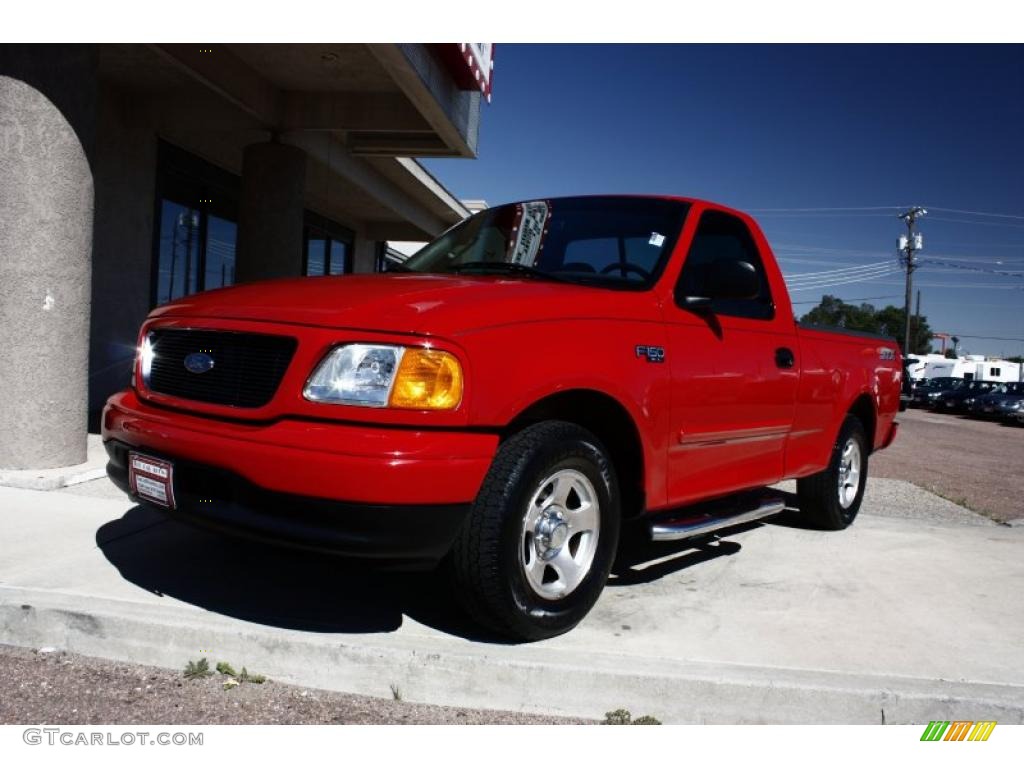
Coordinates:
(734,373)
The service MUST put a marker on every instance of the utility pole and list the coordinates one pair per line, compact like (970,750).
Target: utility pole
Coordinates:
(917,312)
(909,244)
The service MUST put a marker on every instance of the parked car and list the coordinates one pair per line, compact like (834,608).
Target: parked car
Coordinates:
(927,392)
(537,375)
(1003,402)
(960,399)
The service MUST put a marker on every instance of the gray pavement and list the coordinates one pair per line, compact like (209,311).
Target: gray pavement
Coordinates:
(913,614)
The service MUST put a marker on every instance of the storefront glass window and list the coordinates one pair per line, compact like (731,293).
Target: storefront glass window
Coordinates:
(197,212)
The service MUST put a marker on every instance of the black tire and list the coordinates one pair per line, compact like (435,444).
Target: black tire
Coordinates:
(819,496)
(485,562)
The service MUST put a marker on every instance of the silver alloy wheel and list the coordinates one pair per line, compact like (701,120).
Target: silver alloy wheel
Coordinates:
(849,473)
(559,534)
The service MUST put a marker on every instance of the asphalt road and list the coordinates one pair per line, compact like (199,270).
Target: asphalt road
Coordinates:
(976,463)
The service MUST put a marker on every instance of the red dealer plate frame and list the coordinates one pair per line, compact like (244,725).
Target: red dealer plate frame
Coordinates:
(151,479)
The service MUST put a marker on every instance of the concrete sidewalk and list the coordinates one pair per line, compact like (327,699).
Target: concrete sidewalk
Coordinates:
(914,614)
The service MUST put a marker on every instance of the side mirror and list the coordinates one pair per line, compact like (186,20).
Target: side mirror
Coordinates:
(736,280)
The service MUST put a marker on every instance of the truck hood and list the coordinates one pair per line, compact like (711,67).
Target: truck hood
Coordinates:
(405,303)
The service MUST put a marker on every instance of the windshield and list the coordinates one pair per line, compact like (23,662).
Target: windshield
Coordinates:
(614,242)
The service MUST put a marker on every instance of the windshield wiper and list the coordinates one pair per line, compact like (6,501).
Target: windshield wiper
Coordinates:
(507,267)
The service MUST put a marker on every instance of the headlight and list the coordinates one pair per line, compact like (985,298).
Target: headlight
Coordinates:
(382,375)
(144,359)
(1014,405)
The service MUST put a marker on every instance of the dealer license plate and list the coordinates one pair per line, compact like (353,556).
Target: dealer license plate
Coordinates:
(151,479)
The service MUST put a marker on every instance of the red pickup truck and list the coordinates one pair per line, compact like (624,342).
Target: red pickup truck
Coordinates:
(536,376)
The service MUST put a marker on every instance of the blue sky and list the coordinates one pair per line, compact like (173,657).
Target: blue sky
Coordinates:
(864,128)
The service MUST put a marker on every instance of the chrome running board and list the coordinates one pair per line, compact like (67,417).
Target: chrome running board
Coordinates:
(682,527)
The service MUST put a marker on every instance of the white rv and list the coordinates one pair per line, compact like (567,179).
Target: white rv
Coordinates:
(973,367)
(917,365)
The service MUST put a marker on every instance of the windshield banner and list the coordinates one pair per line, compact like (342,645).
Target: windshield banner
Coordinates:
(530,227)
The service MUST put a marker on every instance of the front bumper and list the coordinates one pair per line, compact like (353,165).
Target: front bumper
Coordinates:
(377,492)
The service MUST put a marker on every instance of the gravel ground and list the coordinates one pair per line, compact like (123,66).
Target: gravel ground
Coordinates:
(977,464)
(68,689)
(886,497)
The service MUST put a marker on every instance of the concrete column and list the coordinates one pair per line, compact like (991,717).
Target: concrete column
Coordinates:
(47,123)
(364,255)
(270,214)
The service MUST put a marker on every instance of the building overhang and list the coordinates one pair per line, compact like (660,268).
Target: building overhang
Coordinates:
(380,99)
(362,113)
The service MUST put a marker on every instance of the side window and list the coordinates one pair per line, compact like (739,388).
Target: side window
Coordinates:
(723,237)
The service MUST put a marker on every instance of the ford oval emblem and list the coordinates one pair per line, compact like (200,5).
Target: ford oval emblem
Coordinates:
(198,362)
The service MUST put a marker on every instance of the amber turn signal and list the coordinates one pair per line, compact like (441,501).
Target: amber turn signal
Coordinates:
(427,379)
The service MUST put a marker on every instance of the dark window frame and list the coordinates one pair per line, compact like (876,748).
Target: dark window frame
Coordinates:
(761,308)
(332,232)
(189,180)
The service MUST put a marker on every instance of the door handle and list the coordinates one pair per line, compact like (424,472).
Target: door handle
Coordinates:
(784,357)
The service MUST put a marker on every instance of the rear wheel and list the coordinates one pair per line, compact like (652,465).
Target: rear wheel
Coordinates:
(534,554)
(832,498)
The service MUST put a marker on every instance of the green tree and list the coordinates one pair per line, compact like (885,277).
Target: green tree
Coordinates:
(888,321)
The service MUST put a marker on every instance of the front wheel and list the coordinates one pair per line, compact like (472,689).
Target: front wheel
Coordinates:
(832,498)
(534,553)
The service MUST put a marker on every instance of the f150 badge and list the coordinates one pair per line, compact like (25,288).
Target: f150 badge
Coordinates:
(653,354)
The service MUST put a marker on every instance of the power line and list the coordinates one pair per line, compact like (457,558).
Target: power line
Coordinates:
(837,209)
(981,259)
(988,338)
(954,265)
(859,267)
(841,280)
(818,210)
(823,215)
(979,213)
(971,286)
(825,279)
(979,223)
(832,283)
(850,301)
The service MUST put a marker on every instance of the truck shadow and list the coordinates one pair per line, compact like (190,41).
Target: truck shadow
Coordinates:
(641,561)
(315,592)
(271,585)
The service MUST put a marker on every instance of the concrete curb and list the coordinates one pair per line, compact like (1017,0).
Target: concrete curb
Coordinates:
(93,468)
(538,678)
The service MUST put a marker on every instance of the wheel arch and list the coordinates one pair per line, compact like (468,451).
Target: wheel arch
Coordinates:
(863,407)
(609,420)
